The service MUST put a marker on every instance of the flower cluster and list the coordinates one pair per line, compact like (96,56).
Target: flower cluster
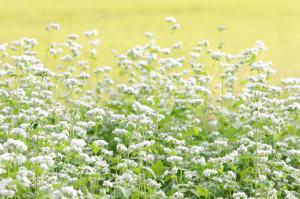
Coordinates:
(154,125)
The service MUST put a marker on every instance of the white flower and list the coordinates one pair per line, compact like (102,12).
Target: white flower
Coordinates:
(153,184)
(209,172)
(7,188)
(93,52)
(175,26)
(91,33)
(178,195)
(52,26)
(107,183)
(19,131)
(120,132)
(77,145)
(174,159)
(101,143)
(170,19)
(14,145)
(239,195)
(95,42)
(149,34)
(122,148)
(23,177)
(69,191)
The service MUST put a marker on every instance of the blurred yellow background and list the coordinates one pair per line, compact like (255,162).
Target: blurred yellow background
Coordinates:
(122,24)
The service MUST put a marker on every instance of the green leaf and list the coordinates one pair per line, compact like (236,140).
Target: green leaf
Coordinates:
(158,168)
(231,133)
(179,112)
(246,156)
(28,195)
(238,103)
(245,173)
(194,192)
(150,171)
(156,100)
(234,168)
(95,148)
(201,191)
(122,192)
(192,132)
(137,195)
(148,67)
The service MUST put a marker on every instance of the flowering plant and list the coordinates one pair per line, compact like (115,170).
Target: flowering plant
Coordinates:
(163,128)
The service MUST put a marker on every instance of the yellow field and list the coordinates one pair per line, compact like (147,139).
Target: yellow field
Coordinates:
(122,23)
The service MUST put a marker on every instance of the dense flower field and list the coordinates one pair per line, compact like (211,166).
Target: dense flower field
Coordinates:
(163,128)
